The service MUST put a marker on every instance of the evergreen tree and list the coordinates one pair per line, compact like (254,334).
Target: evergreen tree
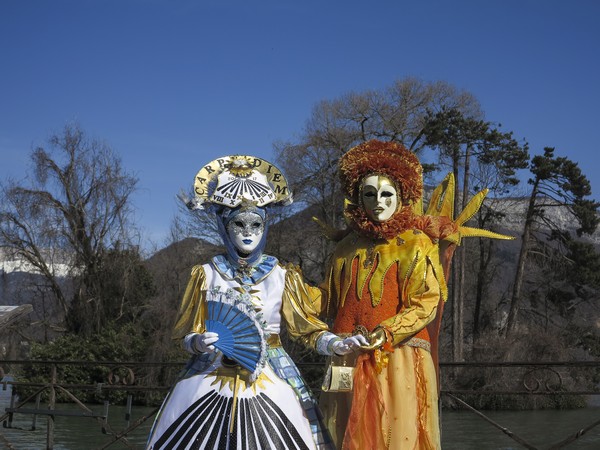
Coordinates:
(461,141)
(556,182)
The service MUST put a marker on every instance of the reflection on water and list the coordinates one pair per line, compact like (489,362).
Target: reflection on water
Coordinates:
(71,433)
(77,433)
(461,430)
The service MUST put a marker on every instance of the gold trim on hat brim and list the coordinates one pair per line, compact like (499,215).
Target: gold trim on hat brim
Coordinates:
(212,170)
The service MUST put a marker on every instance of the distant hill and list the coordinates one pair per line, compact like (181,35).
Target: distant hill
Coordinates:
(183,254)
(297,239)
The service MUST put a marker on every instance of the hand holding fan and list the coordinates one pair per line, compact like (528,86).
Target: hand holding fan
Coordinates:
(240,334)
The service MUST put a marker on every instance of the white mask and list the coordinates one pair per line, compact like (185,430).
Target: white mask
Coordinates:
(379,197)
(245,231)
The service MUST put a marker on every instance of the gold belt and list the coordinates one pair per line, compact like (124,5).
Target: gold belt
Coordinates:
(274,341)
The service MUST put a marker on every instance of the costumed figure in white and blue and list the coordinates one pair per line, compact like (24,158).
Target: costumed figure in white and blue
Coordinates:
(240,389)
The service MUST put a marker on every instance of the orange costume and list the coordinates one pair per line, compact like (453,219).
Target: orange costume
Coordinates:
(387,279)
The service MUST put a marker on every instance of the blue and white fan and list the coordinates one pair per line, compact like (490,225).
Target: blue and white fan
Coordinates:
(241,336)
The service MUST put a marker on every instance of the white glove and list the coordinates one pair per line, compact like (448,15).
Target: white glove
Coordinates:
(203,343)
(349,344)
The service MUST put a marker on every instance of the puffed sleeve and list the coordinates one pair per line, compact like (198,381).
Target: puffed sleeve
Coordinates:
(191,312)
(299,312)
(420,295)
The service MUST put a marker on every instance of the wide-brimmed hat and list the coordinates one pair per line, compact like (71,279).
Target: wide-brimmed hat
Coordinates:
(230,180)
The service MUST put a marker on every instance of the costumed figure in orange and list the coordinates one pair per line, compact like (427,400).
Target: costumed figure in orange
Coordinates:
(387,280)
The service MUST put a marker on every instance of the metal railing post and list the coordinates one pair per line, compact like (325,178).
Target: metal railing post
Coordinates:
(128,410)
(51,406)
(37,407)
(13,398)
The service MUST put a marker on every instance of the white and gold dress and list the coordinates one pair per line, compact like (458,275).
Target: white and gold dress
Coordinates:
(217,405)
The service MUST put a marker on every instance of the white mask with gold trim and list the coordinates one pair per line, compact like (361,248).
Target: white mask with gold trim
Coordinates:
(379,197)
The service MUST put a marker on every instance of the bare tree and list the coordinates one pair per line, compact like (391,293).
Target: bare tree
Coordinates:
(68,214)
(396,113)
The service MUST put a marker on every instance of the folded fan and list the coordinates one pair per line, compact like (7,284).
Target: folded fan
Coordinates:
(240,336)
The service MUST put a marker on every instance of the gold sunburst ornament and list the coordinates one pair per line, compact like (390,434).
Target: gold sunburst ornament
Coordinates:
(232,179)
(226,376)
(241,167)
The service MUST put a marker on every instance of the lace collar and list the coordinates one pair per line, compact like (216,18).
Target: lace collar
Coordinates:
(249,275)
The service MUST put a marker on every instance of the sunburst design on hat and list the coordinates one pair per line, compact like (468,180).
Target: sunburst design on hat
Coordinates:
(230,180)
(232,190)
(241,166)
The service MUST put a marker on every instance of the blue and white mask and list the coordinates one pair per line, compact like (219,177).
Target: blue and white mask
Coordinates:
(244,233)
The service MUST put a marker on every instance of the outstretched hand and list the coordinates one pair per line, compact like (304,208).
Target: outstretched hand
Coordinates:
(349,344)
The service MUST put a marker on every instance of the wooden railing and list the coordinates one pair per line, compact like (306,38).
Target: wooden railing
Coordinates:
(460,382)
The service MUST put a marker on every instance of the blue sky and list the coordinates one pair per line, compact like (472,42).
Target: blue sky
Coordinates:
(170,85)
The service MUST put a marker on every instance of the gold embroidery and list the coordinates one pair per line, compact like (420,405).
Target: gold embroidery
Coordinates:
(370,256)
(419,343)
(225,376)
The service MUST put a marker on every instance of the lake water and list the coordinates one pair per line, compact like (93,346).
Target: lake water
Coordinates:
(461,430)
(464,430)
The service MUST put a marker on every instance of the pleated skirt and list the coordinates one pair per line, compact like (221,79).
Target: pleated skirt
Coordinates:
(202,412)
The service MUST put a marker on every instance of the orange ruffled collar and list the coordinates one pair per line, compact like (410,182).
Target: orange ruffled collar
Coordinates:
(436,227)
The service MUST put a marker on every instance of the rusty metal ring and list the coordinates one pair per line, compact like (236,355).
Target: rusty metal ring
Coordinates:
(114,378)
(539,379)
